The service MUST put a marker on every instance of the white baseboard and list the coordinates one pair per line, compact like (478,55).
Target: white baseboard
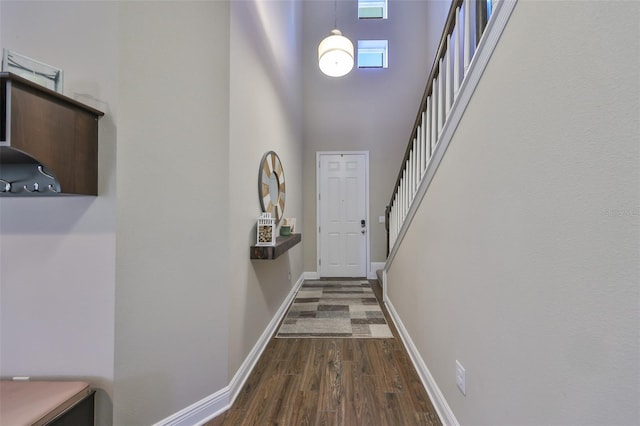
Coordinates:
(373,268)
(371,273)
(249,363)
(201,411)
(219,402)
(215,404)
(439,402)
(487,44)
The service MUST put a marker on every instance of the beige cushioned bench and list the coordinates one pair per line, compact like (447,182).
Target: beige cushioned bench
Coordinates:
(26,403)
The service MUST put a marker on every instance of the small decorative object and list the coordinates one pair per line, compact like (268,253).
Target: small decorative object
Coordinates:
(291,222)
(30,69)
(266,235)
(288,226)
(285,230)
(271,188)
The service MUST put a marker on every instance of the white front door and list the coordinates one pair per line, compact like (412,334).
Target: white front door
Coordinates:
(343,219)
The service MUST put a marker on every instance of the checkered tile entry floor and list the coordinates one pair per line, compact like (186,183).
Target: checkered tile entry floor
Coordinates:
(335,309)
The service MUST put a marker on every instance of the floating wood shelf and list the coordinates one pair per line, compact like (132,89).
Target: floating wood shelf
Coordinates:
(271,252)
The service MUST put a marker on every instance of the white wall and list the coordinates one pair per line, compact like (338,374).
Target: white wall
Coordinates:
(172,221)
(266,114)
(523,260)
(368,109)
(57,265)
(190,138)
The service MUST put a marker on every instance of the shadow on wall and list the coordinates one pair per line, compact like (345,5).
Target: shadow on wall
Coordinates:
(69,214)
(140,385)
(43,216)
(103,408)
(281,69)
(273,277)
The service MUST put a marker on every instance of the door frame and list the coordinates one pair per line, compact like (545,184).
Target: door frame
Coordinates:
(366,207)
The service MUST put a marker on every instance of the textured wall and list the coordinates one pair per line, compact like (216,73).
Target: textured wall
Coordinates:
(57,258)
(266,114)
(190,138)
(172,234)
(522,262)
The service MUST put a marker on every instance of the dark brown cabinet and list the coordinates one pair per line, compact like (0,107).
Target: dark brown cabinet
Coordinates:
(48,142)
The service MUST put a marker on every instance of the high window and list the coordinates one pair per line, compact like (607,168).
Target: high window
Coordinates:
(373,54)
(372,9)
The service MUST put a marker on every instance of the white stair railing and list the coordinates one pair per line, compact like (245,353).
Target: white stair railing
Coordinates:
(463,29)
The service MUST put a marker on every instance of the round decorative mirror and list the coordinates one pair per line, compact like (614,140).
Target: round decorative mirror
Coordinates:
(271,189)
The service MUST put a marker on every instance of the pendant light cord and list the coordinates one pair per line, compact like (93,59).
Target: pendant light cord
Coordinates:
(335,15)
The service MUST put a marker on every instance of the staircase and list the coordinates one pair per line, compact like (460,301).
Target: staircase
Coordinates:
(470,28)
(471,32)
(513,224)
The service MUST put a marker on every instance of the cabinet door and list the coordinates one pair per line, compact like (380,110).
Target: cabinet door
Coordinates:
(60,135)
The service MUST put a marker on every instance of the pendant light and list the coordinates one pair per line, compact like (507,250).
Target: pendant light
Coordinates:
(335,52)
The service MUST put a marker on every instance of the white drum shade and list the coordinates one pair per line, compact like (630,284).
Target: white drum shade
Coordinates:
(335,55)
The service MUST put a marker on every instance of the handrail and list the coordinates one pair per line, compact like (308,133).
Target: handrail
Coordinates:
(445,78)
(448,28)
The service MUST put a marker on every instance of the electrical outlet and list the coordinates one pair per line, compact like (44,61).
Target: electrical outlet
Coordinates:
(461,379)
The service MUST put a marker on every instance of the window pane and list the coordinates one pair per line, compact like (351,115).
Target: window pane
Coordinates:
(370,60)
(373,54)
(370,12)
(372,9)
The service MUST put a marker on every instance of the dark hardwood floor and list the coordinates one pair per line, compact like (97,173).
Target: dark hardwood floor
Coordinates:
(333,382)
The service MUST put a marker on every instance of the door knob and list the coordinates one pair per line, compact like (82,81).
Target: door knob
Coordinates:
(363,231)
